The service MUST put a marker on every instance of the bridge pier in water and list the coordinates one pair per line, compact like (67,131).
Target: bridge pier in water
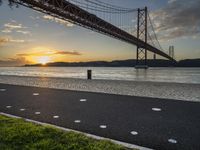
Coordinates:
(141,53)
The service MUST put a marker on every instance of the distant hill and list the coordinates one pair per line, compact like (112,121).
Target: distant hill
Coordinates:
(189,63)
(123,63)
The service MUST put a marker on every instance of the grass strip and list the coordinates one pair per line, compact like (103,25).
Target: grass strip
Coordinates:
(17,134)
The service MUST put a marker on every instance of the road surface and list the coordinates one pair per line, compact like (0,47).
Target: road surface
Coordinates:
(150,122)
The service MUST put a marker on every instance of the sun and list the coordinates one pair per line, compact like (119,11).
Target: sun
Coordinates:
(43,60)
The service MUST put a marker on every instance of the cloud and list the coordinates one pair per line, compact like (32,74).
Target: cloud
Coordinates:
(35,17)
(6,30)
(23,32)
(49,53)
(171,1)
(57,20)
(179,19)
(4,40)
(14,26)
(14,61)
(68,53)
(16,40)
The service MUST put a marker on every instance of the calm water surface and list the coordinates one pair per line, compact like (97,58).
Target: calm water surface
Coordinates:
(178,75)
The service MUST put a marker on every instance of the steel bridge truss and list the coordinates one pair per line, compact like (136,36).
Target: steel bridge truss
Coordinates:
(141,55)
(67,11)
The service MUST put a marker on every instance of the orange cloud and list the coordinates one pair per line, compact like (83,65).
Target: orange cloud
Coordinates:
(14,61)
(44,55)
(3,40)
(50,53)
(68,53)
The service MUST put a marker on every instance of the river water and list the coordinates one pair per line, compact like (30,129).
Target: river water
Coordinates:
(175,75)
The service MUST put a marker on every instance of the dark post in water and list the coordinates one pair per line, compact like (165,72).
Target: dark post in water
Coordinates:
(89,74)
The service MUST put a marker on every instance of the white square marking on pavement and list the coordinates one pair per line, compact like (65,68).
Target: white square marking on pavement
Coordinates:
(134,133)
(103,126)
(156,109)
(36,94)
(22,109)
(83,100)
(173,141)
(77,121)
(55,117)
(8,107)
(37,113)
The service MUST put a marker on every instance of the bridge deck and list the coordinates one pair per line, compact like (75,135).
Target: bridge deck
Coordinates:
(70,12)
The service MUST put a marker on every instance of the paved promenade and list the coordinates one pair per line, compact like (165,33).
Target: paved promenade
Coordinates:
(176,91)
(151,122)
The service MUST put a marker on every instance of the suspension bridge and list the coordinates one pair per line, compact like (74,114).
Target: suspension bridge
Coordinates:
(133,26)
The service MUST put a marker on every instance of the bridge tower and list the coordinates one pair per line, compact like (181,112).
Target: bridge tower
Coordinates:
(154,56)
(171,51)
(141,55)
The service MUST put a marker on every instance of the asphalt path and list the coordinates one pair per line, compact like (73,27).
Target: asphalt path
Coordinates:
(150,122)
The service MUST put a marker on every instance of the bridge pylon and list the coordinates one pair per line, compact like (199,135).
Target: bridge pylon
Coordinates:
(141,55)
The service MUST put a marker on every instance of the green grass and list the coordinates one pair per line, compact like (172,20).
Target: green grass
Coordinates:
(17,134)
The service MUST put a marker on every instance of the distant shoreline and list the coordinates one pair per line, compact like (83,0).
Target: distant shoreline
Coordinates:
(122,63)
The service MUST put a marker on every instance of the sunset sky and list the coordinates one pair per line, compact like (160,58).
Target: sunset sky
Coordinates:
(27,36)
